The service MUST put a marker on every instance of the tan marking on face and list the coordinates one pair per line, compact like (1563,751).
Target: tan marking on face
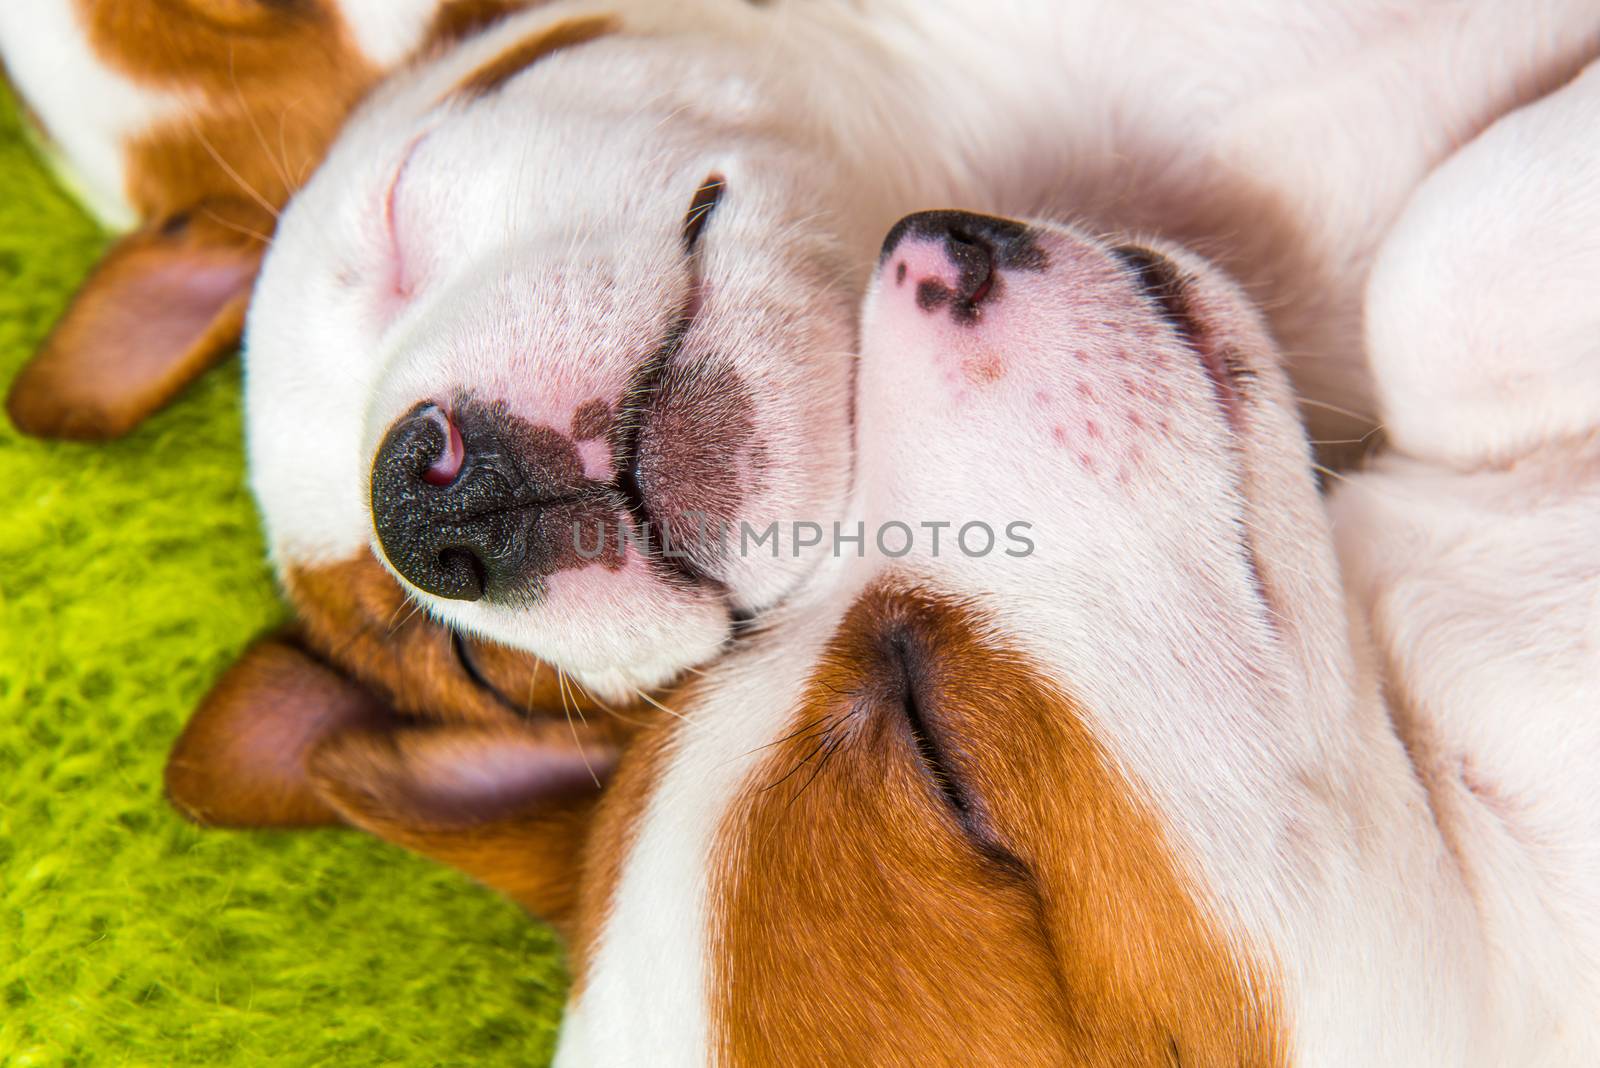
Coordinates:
(983,367)
(525,53)
(861,917)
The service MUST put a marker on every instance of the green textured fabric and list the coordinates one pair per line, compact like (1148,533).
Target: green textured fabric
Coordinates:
(130,575)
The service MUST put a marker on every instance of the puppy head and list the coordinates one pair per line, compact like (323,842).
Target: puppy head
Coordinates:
(558,313)
(1016,798)
(189,123)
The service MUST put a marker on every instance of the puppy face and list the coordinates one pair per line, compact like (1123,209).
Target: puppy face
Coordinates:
(188,123)
(554,302)
(951,800)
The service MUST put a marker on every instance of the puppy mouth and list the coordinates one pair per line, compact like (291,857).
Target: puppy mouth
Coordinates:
(652,502)
(641,496)
(472,501)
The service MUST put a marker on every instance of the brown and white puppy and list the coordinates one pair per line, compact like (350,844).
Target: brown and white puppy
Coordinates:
(597,269)
(187,124)
(1156,789)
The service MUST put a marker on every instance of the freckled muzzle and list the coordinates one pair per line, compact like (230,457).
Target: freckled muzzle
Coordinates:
(475,504)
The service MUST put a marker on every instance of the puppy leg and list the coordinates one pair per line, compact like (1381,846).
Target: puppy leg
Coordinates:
(1483,307)
(1473,556)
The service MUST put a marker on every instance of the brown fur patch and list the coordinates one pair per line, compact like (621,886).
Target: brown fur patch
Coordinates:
(371,714)
(269,86)
(277,82)
(434,791)
(494,74)
(864,916)
(241,759)
(457,20)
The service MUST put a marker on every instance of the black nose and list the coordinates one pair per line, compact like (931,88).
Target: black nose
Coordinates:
(977,246)
(968,234)
(451,504)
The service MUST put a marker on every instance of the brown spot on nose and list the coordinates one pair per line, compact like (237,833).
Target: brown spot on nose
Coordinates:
(982,368)
(592,420)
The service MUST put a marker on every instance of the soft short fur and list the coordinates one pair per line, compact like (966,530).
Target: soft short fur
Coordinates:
(1181,785)
(518,258)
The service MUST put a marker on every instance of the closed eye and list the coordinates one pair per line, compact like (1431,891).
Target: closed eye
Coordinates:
(1165,287)
(909,678)
(1162,284)
(926,743)
(701,208)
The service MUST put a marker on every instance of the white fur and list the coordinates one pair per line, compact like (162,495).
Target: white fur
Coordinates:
(1475,557)
(1472,297)
(568,186)
(661,910)
(387,31)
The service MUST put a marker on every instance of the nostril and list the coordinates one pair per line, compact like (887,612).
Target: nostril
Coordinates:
(975,261)
(446,467)
(463,573)
(437,517)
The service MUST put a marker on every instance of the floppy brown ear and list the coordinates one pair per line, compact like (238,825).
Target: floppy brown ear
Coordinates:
(284,740)
(242,760)
(165,303)
(509,806)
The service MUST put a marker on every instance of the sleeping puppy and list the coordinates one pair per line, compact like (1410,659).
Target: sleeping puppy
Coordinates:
(1155,788)
(585,286)
(186,123)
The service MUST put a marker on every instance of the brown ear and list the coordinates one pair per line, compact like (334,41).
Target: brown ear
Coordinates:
(165,303)
(509,806)
(242,759)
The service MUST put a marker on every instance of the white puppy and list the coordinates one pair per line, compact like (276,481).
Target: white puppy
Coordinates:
(1160,792)
(596,269)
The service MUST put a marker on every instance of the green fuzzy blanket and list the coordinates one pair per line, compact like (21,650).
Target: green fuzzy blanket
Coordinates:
(130,575)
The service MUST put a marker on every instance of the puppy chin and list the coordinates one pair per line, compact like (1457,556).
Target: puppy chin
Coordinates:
(613,633)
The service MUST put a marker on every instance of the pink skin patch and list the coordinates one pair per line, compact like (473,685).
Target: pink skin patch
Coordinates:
(597,461)
(591,428)
(921,262)
(1070,351)
(444,470)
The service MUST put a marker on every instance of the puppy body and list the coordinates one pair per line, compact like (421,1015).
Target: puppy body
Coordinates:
(1471,551)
